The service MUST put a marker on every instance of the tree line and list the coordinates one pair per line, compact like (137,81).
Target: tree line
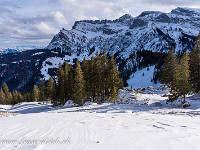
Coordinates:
(96,80)
(182,75)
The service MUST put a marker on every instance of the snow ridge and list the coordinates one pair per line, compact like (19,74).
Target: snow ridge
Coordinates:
(151,30)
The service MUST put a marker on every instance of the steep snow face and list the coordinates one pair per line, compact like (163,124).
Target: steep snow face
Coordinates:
(151,30)
(142,78)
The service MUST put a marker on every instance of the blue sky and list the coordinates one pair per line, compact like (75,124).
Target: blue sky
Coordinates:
(35,22)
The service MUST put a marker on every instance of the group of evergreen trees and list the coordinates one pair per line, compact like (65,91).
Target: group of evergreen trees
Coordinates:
(6,97)
(96,80)
(182,75)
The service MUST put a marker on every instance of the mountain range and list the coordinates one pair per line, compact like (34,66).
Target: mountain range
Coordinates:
(136,42)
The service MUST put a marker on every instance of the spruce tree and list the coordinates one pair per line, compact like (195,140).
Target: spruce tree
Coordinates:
(50,90)
(19,97)
(169,68)
(195,65)
(35,94)
(2,97)
(103,75)
(61,84)
(15,98)
(98,78)
(181,83)
(8,95)
(68,76)
(114,94)
(113,79)
(42,91)
(79,85)
(93,75)
(70,82)
(86,73)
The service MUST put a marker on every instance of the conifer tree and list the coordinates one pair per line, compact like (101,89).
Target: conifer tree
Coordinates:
(93,75)
(61,84)
(103,75)
(195,65)
(35,94)
(50,90)
(181,83)
(19,97)
(98,78)
(42,91)
(169,68)
(79,85)
(2,97)
(15,98)
(70,82)
(86,73)
(114,79)
(114,94)
(8,95)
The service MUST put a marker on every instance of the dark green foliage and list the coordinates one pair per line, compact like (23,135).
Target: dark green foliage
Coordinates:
(42,91)
(60,85)
(114,95)
(169,68)
(94,80)
(176,76)
(8,95)
(113,76)
(35,94)
(181,82)
(79,94)
(17,97)
(195,65)
(2,97)
(50,90)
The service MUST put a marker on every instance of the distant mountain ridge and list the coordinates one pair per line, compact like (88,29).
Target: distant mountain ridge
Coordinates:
(17,49)
(151,30)
(136,42)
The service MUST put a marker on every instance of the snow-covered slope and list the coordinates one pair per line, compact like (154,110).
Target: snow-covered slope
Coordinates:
(153,125)
(151,30)
(142,78)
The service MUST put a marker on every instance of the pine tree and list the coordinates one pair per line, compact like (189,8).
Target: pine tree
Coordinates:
(181,84)
(19,97)
(195,65)
(113,79)
(86,73)
(79,85)
(93,75)
(35,94)
(61,84)
(15,98)
(2,97)
(42,91)
(114,94)
(97,77)
(103,76)
(8,95)
(50,90)
(169,68)
(70,82)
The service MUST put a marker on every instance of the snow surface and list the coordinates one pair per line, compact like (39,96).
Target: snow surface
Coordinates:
(137,79)
(143,124)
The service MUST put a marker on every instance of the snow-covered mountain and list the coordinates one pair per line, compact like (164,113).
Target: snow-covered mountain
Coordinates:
(151,30)
(18,49)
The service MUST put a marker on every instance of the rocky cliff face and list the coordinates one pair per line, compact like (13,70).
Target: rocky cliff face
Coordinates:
(151,30)
(125,37)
